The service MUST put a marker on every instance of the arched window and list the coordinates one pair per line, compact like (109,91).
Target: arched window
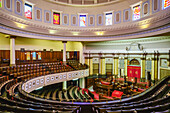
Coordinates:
(134,62)
(18,6)
(117,17)
(74,20)
(8,4)
(65,19)
(38,14)
(126,15)
(91,20)
(155,5)
(100,19)
(47,16)
(145,10)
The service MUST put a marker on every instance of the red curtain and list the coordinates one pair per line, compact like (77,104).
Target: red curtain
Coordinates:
(133,71)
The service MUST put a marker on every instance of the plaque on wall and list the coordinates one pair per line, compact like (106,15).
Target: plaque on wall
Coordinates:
(39,55)
(33,55)
(28,55)
(164,62)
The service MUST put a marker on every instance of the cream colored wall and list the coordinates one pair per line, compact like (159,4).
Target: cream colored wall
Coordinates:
(4,42)
(38,44)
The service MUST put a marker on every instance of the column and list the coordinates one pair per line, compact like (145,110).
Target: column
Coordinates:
(143,67)
(102,66)
(82,82)
(156,69)
(65,85)
(82,59)
(125,66)
(153,69)
(87,61)
(12,50)
(116,65)
(91,65)
(64,62)
(64,52)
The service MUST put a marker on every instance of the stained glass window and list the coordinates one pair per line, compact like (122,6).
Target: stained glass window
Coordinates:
(136,12)
(39,55)
(56,18)
(82,20)
(166,4)
(33,55)
(0,3)
(108,18)
(28,11)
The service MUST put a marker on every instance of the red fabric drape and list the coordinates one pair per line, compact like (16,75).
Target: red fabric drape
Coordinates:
(133,71)
(117,94)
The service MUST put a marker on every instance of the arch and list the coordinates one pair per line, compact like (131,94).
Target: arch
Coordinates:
(74,20)
(100,20)
(8,4)
(117,17)
(47,17)
(155,5)
(18,6)
(38,14)
(91,20)
(145,10)
(134,62)
(65,19)
(126,15)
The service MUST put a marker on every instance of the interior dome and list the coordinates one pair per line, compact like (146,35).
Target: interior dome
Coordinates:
(84,2)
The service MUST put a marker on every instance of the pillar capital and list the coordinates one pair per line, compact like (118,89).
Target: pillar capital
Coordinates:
(102,57)
(64,41)
(116,57)
(125,57)
(13,37)
(143,58)
(153,58)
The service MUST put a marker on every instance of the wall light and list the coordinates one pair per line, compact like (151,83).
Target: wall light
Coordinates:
(20,25)
(52,31)
(144,26)
(100,33)
(75,33)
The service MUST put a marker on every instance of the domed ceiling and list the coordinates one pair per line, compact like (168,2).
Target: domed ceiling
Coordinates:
(84,2)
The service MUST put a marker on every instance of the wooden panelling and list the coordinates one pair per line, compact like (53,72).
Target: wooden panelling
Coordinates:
(47,56)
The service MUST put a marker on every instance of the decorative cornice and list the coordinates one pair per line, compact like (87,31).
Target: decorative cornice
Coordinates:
(11,31)
(152,19)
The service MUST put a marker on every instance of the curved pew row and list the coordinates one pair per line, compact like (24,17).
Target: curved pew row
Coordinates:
(7,101)
(153,100)
(149,95)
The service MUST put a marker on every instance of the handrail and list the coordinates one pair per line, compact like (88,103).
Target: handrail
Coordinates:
(106,102)
(53,78)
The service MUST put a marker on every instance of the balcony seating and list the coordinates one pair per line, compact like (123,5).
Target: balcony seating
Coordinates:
(15,102)
(12,100)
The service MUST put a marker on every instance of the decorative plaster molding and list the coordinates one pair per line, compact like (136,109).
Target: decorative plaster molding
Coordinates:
(11,31)
(152,19)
